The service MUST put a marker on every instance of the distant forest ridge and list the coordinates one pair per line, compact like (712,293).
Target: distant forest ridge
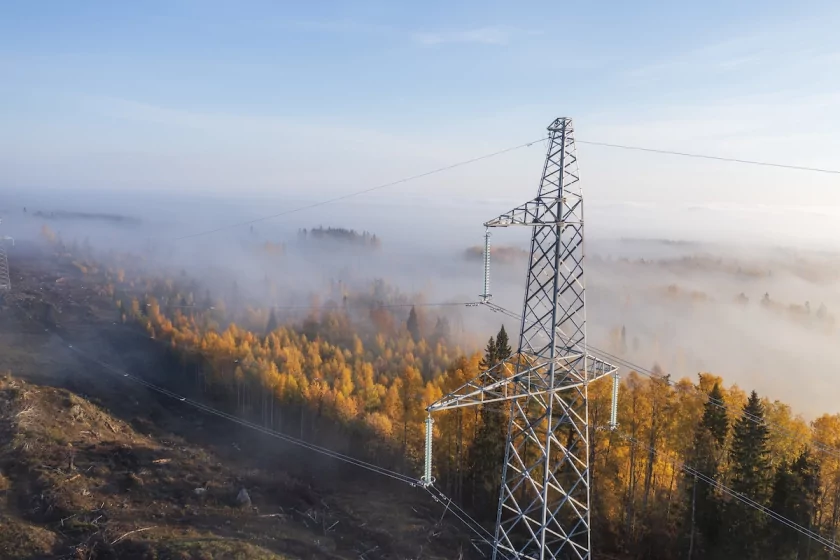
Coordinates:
(96,216)
(823,271)
(344,235)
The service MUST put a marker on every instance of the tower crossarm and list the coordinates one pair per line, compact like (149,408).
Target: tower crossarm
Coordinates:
(492,385)
(501,383)
(539,212)
(596,368)
(526,215)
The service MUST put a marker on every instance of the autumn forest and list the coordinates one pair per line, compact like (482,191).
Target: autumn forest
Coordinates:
(357,379)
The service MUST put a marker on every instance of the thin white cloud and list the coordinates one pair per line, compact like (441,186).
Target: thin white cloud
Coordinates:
(809,43)
(490,35)
(730,54)
(163,145)
(344,26)
(486,35)
(253,129)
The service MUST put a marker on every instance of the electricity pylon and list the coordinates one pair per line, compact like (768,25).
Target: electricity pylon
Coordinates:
(543,510)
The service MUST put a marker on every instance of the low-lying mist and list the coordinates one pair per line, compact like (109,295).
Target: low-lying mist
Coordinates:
(758,315)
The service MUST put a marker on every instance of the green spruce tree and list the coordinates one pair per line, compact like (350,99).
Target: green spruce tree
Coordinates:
(795,494)
(488,450)
(489,359)
(413,325)
(503,350)
(752,477)
(704,504)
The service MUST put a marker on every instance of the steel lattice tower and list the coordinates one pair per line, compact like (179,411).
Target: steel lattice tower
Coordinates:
(543,510)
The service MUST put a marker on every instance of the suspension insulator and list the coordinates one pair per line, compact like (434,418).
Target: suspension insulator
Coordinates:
(485,295)
(614,406)
(427,479)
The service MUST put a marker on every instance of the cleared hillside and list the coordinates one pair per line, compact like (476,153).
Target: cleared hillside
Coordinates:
(97,467)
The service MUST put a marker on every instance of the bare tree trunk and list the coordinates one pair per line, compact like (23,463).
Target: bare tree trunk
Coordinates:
(301,420)
(631,490)
(631,479)
(670,493)
(459,450)
(693,502)
(449,462)
(650,459)
(475,467)
(280,418)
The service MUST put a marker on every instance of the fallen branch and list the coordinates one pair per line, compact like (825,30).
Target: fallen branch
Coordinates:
(131,533)
(71,479)
(28,410)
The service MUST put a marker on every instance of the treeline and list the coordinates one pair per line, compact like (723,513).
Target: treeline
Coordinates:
(354,237)
(363,388)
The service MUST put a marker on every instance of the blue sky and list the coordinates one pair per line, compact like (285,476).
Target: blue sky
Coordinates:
(285,97)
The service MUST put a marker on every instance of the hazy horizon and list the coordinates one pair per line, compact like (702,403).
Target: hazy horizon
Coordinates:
(422,255)
(193,116)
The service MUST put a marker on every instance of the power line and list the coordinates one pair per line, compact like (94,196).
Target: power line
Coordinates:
(479,530)
(492,155)
(488,156)
(363,191)
(715,158)
(471,523)
(242,422)
(828,449)
(738,496)
(463,517)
